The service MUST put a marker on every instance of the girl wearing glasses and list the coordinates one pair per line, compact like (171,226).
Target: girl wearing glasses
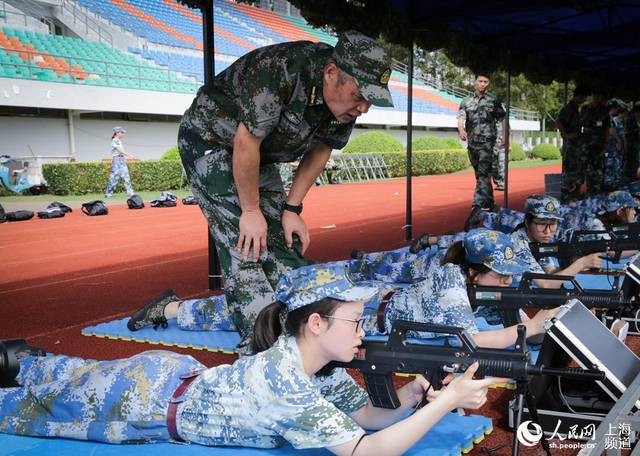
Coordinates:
(263,401)
(542,216)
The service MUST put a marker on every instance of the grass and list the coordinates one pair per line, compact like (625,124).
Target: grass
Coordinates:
(117,197)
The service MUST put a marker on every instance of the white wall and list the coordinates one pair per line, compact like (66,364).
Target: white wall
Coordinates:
(50,137)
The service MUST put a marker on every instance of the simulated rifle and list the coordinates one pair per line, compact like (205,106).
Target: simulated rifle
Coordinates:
(378,360)
(577,246)
(508,301)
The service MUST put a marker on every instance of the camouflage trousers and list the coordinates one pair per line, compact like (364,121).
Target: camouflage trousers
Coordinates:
(572,171)
(481,158)
(631,162)
(613,163)
(248,286)
(118,401)
(497,171)
(119,170)
(593,154)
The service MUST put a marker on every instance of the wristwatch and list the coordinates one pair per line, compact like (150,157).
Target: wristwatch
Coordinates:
(295,209)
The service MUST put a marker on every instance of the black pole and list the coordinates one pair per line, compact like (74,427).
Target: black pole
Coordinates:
(507,141)
(408,227)
(215,273)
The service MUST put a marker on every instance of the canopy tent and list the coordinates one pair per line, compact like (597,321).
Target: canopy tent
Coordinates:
(592,41)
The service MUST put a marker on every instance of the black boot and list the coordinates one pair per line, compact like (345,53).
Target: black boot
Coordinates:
(11,352)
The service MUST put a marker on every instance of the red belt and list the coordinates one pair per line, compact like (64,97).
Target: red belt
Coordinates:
(382,307)
(173,407)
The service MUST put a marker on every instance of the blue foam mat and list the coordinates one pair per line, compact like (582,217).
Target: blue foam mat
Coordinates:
(223,341)
(449,437)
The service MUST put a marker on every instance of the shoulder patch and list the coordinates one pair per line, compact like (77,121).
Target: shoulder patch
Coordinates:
(384,77)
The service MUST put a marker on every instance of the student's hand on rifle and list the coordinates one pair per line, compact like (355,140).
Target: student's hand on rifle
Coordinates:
(467,392)
(535,325)
(419,386)
(592,261)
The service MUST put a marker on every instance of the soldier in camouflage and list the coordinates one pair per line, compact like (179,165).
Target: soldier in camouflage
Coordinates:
(278,395)
(569,124)
(277,104)
(595,130)
(498,168)
(614,153)
(632,145)
(477,118)
(119,168)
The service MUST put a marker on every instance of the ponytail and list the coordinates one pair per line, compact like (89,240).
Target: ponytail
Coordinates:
(267,328)
(456,255)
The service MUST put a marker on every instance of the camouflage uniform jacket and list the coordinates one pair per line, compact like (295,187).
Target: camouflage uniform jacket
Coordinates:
(267,399)
(481,114)
(276,92)
(595,123)
(569,117)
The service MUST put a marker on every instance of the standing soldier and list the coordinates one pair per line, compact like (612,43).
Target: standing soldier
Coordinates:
(119,168)
(477,118)
(614,153)
(632,144)
(572,164)
(277,104)
(498,170)
(595,129)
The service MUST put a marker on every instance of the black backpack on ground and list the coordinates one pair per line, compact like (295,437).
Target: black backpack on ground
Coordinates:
(135,202)
(189,200)
(3,214)
(51,212)
(63,207)
(166,199)
(18,216)
(96,207)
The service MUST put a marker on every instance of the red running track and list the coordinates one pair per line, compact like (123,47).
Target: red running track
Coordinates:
(61,275)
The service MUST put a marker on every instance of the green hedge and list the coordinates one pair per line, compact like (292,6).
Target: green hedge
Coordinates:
(517,152)
(80,178)
(546,152)
(427,162)
(435,143)
(373,141)
(171,154)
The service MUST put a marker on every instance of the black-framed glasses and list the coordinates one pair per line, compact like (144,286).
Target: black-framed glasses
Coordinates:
(547,226)
(359,323)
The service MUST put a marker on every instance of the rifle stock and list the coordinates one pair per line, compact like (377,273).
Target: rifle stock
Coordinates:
(377,360)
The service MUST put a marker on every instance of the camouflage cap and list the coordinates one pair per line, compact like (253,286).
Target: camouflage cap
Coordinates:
(369,64)
(303,286)
(119,130)
(634,188)
(493,249)
(543,206)
(617,200)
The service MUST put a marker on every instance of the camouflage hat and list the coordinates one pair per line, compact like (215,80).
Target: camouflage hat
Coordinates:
(303,286)
(617,200)
(493,249)
(119,130)
(543,207)
(369,64)
(634,188)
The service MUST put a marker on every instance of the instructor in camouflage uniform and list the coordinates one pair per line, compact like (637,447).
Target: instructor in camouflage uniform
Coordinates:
(595,131)
(277,104)
(477,118)
(572,161)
